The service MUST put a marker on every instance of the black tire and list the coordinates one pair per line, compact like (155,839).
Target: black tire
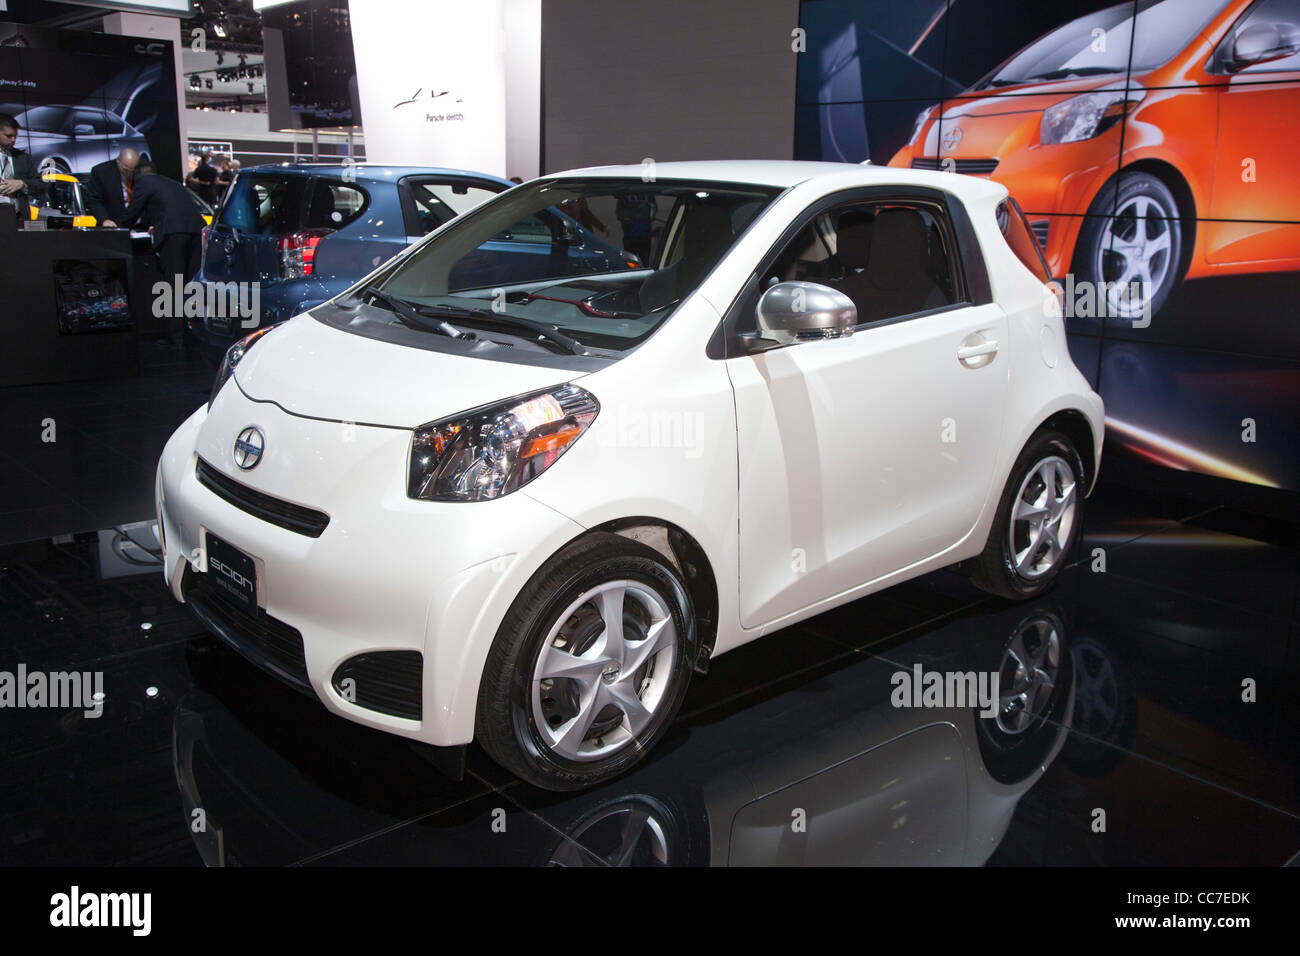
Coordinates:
(507,727)
(995,570)
(1095,239)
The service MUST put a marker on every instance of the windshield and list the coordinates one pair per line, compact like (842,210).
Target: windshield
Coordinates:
(1098,43)
(603,261)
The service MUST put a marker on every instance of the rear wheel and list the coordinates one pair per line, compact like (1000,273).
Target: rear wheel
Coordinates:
(1037,520)
(589,666)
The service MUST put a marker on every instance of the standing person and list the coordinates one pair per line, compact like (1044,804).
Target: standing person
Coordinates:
(19,178)
(110,187)
(176,225)
(204,180)
(226,176)
(636,212)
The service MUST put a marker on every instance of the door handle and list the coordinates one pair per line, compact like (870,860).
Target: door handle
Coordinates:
(976,351)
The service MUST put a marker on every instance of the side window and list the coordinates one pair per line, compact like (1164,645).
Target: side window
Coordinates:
(334,204)
(94,119)
(892,259)
(1021,238)
(1274,27)
(437,202)
(529,229)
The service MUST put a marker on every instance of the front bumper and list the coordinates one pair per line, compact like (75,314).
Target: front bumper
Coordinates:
(389,578)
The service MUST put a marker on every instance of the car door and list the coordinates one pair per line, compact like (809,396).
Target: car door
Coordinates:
(864,455)
(1255,211)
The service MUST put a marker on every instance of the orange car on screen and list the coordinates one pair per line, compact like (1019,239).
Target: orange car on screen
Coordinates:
(1183,166)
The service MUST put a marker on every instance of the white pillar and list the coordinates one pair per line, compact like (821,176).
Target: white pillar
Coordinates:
(523,32)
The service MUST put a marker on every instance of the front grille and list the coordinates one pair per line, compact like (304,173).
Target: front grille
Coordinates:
(269,643)
(1041,228)
(306,521)
(969,167)
(387,681)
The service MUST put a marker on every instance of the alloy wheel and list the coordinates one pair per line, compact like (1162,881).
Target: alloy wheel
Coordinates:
(603,671)
(1028,676)
(1136,246)
(1042,517)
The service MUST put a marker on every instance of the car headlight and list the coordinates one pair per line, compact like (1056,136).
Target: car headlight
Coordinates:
(232,358)
(492,451)
(1083,117)
(921,117)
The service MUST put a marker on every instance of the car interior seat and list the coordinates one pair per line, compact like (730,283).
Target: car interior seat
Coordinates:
(898,277)
(706,233)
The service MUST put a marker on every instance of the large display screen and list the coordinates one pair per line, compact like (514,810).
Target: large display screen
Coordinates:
(1145,141)
(320,70)
(81,98)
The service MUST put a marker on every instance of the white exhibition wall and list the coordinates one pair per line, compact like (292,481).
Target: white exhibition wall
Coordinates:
(433,82)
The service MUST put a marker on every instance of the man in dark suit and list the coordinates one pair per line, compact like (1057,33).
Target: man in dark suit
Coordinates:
(166,206)
(19,178)
(110,187)
(204,180)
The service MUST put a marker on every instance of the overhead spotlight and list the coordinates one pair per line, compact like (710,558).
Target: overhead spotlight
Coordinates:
(196,83)
(221,57)
(250,87)
(219,25)
(243,59)
(209,83)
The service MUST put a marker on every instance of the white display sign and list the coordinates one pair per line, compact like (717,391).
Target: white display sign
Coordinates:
(181,8)
(431,75)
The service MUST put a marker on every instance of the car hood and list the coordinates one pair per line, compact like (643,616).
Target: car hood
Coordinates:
(310,369)
(1026,97)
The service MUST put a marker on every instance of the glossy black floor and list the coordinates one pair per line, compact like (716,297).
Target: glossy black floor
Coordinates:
(789,751)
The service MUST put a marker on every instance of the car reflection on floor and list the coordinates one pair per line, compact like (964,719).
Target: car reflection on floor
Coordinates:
(831,773)
(1121,693)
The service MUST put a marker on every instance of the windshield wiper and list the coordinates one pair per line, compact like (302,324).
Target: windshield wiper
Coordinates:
(548,333)
(413,317)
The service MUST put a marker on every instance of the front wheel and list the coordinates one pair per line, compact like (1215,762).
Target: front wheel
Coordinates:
(1132,243)
(1037,520)
(589,666)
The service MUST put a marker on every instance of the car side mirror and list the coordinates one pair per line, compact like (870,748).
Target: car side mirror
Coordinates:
(1259,43)
(569,235)
(790,312)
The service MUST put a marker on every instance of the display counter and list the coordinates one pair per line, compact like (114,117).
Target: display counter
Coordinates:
(75,303)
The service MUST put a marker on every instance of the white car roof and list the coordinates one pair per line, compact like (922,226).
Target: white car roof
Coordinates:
(783,174)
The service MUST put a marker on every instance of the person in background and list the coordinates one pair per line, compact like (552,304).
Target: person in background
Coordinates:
(176,225)
(19,178)
(636,212)
(110,187)
(204,180)
(226,176)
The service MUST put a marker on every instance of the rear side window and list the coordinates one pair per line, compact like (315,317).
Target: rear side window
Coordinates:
(1020,237)
(436,202)
(265,204)
(334,204)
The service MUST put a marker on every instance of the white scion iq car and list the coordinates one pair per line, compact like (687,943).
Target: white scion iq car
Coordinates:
(507,490)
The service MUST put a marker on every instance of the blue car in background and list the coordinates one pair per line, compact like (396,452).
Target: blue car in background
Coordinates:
(305,232)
